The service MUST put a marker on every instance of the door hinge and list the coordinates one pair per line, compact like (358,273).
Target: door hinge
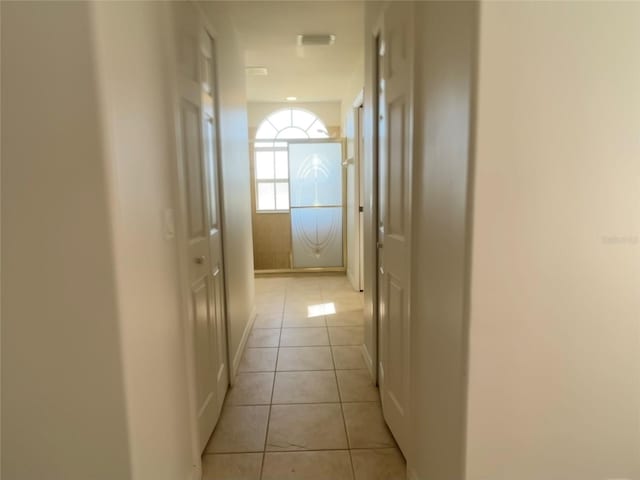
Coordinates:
(361,209)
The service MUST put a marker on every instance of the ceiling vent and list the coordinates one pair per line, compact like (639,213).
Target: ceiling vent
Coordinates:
(257,71)
(316,40)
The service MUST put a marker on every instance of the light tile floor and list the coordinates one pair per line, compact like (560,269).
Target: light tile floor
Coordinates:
(303,407)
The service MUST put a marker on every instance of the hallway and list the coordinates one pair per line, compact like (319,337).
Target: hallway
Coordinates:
(303,406)
(182,181)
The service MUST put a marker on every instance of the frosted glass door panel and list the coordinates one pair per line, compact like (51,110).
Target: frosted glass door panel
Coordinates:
(316,174)
(315,183)
(317,236)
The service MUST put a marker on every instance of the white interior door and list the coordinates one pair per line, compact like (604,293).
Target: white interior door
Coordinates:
(198,152)
(394,216)
(211,148)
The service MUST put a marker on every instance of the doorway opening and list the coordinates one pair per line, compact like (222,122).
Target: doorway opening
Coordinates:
(297,194)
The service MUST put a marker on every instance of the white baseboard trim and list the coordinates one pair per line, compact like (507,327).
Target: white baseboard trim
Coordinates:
(241,348)
(353,281)
(369,362)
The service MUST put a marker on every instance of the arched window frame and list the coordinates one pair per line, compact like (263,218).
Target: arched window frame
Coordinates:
(271,162)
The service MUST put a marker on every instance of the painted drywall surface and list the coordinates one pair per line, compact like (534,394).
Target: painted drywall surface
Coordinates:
(63,404)
(237,235)
(554,389)
(328,112)
(137,119)
(445,42)
(353,88)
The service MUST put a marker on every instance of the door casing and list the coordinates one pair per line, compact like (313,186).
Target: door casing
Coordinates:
(354,260)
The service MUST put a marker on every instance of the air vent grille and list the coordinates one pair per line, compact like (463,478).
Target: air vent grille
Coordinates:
(257,71)
(316,40)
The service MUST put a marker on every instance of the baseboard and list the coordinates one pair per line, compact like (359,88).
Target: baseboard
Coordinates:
(352,281)
(369,362)
(241,348)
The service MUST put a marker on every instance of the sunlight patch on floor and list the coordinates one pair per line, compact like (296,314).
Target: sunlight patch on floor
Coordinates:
(321,309)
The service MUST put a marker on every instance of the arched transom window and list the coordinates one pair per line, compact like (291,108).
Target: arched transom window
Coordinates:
(271,154)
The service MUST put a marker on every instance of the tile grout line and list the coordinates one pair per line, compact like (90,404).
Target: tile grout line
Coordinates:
(344,420)
(300,403)
(273,387)
(213,454)
(245,372)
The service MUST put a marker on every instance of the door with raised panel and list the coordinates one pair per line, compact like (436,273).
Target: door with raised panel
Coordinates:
(394,215)
(199,168)
(211,147)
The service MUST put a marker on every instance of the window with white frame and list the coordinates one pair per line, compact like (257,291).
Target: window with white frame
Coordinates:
(271,154)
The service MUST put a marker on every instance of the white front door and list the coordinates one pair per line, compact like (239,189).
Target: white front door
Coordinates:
(198,155)
(394,215)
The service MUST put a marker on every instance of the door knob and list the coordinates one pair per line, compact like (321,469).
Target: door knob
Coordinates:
(199,260)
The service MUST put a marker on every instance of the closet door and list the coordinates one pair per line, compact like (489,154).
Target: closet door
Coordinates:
(394,216)
(198,172)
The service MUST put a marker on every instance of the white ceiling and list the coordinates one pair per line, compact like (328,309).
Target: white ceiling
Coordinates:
(268,31)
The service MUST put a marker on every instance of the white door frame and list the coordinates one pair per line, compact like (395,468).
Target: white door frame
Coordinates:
(355,276)
(371,144)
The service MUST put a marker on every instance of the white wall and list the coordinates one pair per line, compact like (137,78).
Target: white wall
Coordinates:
(329,112)
(353,88)
(63,392)
(445,43)
(131,56)
(236,190)
(554,388)
(94,378)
